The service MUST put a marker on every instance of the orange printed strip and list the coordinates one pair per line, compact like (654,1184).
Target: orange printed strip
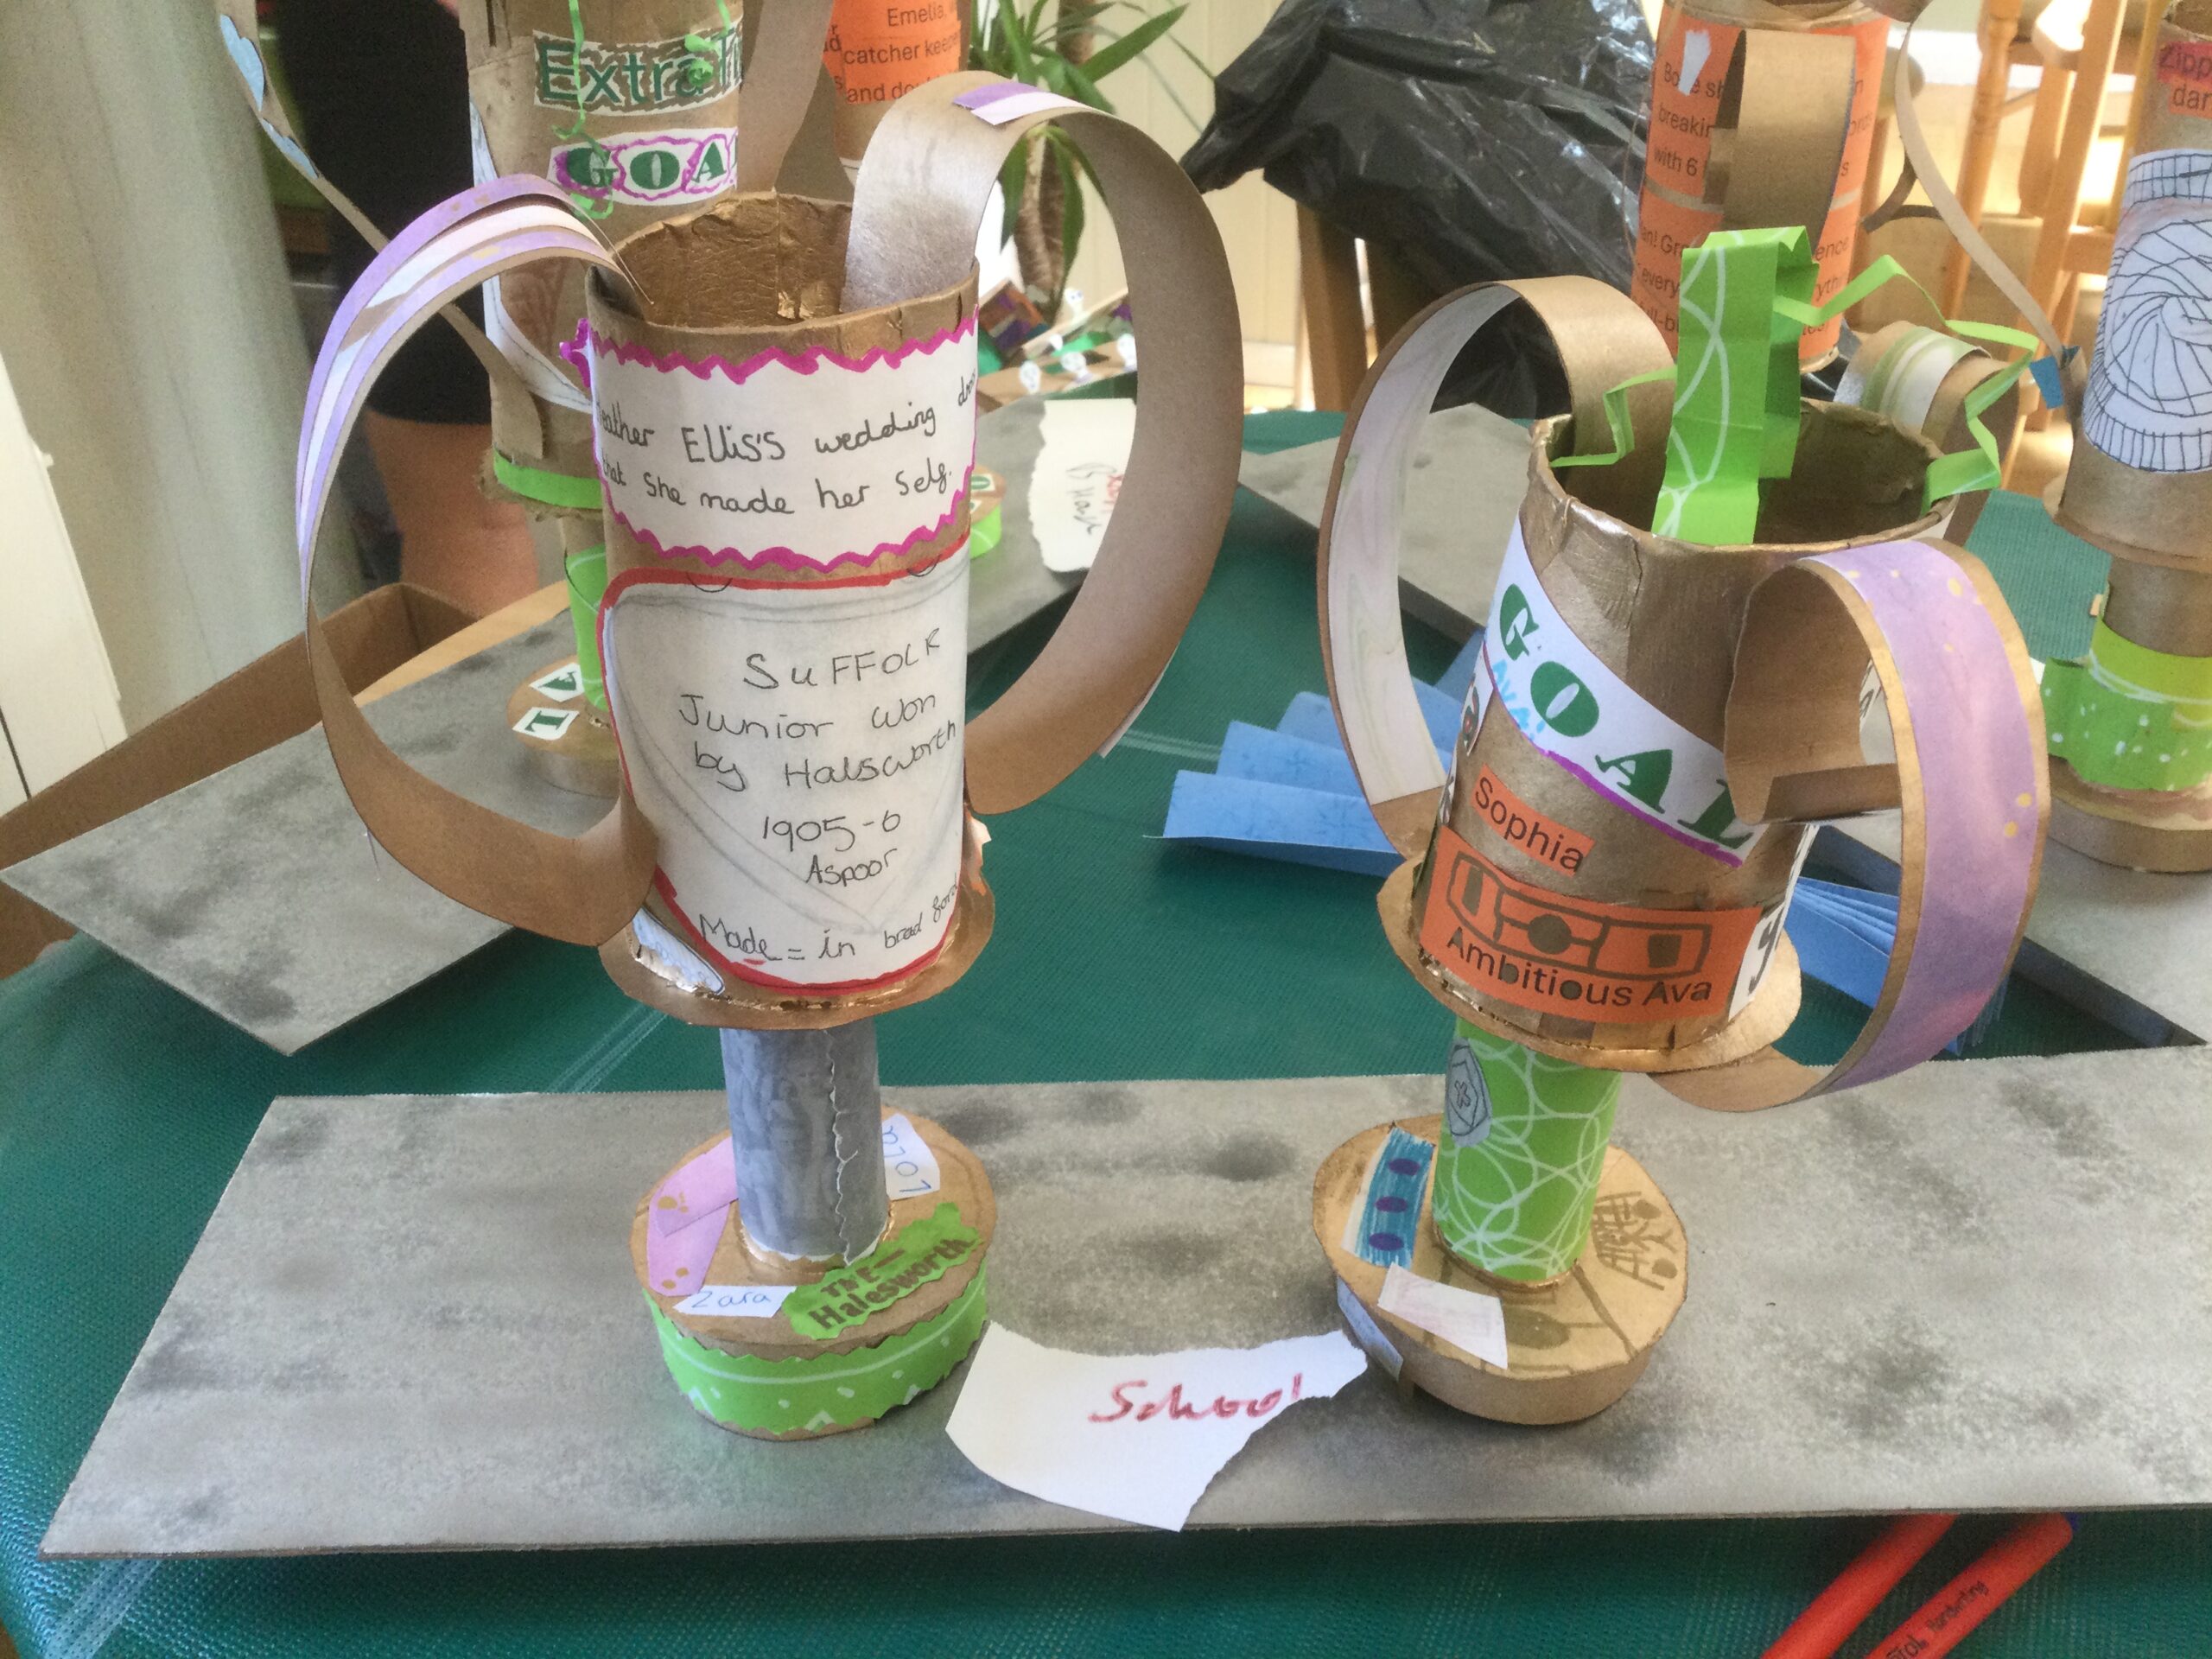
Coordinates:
(1611,964)
(2186,64)
(1520,827)
(879,50)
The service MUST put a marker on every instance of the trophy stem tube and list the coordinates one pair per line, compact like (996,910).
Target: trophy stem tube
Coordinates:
(806,1129)
(1517,1163)
(587,573)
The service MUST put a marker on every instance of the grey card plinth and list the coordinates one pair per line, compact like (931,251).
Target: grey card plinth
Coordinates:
(805,1123)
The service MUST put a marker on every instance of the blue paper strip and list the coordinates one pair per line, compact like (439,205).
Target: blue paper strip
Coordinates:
(1387,1220)
(1267,757)
(1298,826)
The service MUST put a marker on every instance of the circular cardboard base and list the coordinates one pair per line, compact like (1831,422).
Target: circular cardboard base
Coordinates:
(582,758)
(765,1378)
(1772,1007)
(1574,1346)
(2137,830)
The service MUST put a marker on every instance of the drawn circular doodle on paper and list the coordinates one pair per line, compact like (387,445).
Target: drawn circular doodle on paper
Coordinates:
(2149,404)
(1466,1096)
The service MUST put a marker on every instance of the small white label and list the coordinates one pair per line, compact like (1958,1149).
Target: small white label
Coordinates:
(910,1168)
(797,749)
(1466,1319)
(809,461)
(734,1301)
(563,685)
(1078,479)
(548,724)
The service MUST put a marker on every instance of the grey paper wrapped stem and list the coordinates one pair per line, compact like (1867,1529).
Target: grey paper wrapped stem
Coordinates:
(805,1123)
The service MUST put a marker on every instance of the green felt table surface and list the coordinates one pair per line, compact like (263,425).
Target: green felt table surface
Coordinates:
(124,1109)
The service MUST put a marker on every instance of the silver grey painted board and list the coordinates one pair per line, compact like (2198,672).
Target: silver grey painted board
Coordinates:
(411,1323)
(257,893)
(1468,476)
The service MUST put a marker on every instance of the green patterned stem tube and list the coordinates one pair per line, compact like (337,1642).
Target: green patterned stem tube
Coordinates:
(1516,1166)
(586,587)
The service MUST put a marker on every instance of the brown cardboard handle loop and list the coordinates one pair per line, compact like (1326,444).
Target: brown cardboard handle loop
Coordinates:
(922,191)
(1604,338)
(583,889)
(1793,114)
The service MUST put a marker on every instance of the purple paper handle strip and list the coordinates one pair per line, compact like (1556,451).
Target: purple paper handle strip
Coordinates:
(456,245)
(1977,760)
(403,247)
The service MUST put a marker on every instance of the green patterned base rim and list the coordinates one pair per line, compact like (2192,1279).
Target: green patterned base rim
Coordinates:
(776,1396)
(2128,717)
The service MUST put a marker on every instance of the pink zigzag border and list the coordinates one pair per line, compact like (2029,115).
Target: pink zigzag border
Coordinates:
(814,357)
(789,557)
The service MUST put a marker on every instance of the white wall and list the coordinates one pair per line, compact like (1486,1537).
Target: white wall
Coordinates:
(1258,224)
(145,319)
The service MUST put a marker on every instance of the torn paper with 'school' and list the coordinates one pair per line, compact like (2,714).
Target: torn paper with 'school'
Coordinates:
(1138,1437)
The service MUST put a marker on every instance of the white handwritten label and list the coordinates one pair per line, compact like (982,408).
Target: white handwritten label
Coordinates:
(808,461)
(735,1302)
(1079,478)
(798,750)
(1467,1319)
(1136,1436)
(910,1168)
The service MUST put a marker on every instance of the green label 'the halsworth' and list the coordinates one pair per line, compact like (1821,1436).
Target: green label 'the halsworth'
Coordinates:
(920,1252)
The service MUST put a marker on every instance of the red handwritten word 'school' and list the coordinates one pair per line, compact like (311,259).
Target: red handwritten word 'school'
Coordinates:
(1181,1410)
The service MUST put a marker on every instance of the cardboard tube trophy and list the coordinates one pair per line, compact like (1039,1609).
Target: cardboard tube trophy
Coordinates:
(784,396)
(1795,86)
(2131,723)
(1597,875)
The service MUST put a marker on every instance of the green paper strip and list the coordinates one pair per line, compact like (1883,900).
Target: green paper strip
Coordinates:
(1719,433)
(554,489)
(778,1395)
(586,587)
(984,533)
(1517,1163)
(2127,717)
(918,1252)
(1735,382)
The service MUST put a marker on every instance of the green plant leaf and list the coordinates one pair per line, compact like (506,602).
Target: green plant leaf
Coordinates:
(1013,172)
(1084,90)
(1104,62)
(1072,166)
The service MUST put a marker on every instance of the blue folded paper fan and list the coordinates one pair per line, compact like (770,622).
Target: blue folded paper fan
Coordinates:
(1290,794)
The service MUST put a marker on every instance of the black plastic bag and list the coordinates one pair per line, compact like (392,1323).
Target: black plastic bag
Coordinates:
(1475,139)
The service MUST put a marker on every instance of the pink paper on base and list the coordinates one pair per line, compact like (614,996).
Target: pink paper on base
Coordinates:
(681,1238)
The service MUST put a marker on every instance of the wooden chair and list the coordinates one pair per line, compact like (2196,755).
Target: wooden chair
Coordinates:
(2076,44)
(1336,331)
